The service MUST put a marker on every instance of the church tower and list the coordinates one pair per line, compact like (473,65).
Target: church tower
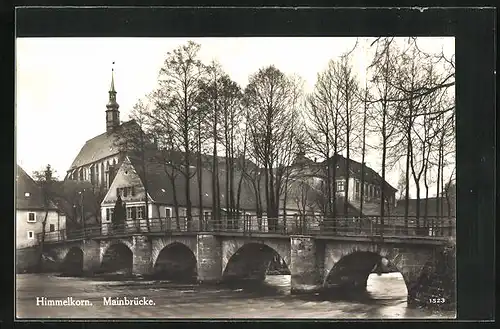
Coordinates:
(112,113)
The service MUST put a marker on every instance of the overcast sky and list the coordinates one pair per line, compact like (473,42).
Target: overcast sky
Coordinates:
(62,83)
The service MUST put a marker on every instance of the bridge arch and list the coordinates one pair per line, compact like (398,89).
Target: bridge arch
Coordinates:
(160,243)
(250,260)
(105,245)
(349,265)
(175,261)
(72,263)
(117,256)
(58,254)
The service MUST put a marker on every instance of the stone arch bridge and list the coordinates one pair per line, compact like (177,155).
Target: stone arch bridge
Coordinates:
(314,262)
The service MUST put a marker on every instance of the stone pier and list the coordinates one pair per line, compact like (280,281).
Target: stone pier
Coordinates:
(305,275)
(91,256)
(142,250)
(209,262)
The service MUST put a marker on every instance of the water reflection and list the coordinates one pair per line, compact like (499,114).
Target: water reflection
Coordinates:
(385,297)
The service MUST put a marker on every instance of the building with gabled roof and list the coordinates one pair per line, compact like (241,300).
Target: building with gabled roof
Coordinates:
(316,173)
(165,190)
(31,208)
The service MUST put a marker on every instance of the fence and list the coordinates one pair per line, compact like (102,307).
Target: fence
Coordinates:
(289,225)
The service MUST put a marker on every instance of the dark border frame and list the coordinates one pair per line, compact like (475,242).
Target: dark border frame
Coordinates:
(474,29)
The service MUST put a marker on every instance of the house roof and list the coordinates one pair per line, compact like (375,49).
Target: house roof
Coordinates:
(160,185)
(432,204)
(26,184)
(354,168)
(100,147)
(66,195)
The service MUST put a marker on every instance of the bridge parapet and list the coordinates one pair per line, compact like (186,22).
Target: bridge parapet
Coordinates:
(393,227)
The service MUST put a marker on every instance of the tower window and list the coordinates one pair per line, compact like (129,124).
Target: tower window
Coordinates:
(52,228)
(31,235)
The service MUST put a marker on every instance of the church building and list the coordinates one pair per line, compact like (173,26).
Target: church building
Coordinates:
(99,158)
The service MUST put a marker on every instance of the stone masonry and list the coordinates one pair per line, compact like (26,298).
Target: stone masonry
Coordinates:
(312,261)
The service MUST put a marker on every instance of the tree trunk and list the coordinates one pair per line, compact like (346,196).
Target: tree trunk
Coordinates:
(347,166)
(426,206)
(42,241)
(407,183)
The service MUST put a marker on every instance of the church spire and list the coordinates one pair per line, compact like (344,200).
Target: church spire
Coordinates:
(112,113)
(112,88)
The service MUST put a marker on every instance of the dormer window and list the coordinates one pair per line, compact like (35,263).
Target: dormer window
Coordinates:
(27,194)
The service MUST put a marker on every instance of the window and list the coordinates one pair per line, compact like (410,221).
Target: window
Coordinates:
(109,214)
(140,212)
(129,212)
(31,234)
(340,186)
(31,217)
(357,188)
(132,191)
(125,192)
(168,212)
(27,194)
(52,228)
(207,215)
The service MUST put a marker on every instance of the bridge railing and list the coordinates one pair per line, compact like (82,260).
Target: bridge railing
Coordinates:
(290,225)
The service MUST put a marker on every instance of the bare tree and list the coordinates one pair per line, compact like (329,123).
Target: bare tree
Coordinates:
(231,115)
(364,96)
(269,98)
(167,138)
(410,77)
(325,131)
(222,98)
(178,96)
(45,180)
(383,116)
(349,89)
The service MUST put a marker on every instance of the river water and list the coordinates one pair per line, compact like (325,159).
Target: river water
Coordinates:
(385,298)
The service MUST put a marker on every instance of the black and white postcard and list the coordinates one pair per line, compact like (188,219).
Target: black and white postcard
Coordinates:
(235,177)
